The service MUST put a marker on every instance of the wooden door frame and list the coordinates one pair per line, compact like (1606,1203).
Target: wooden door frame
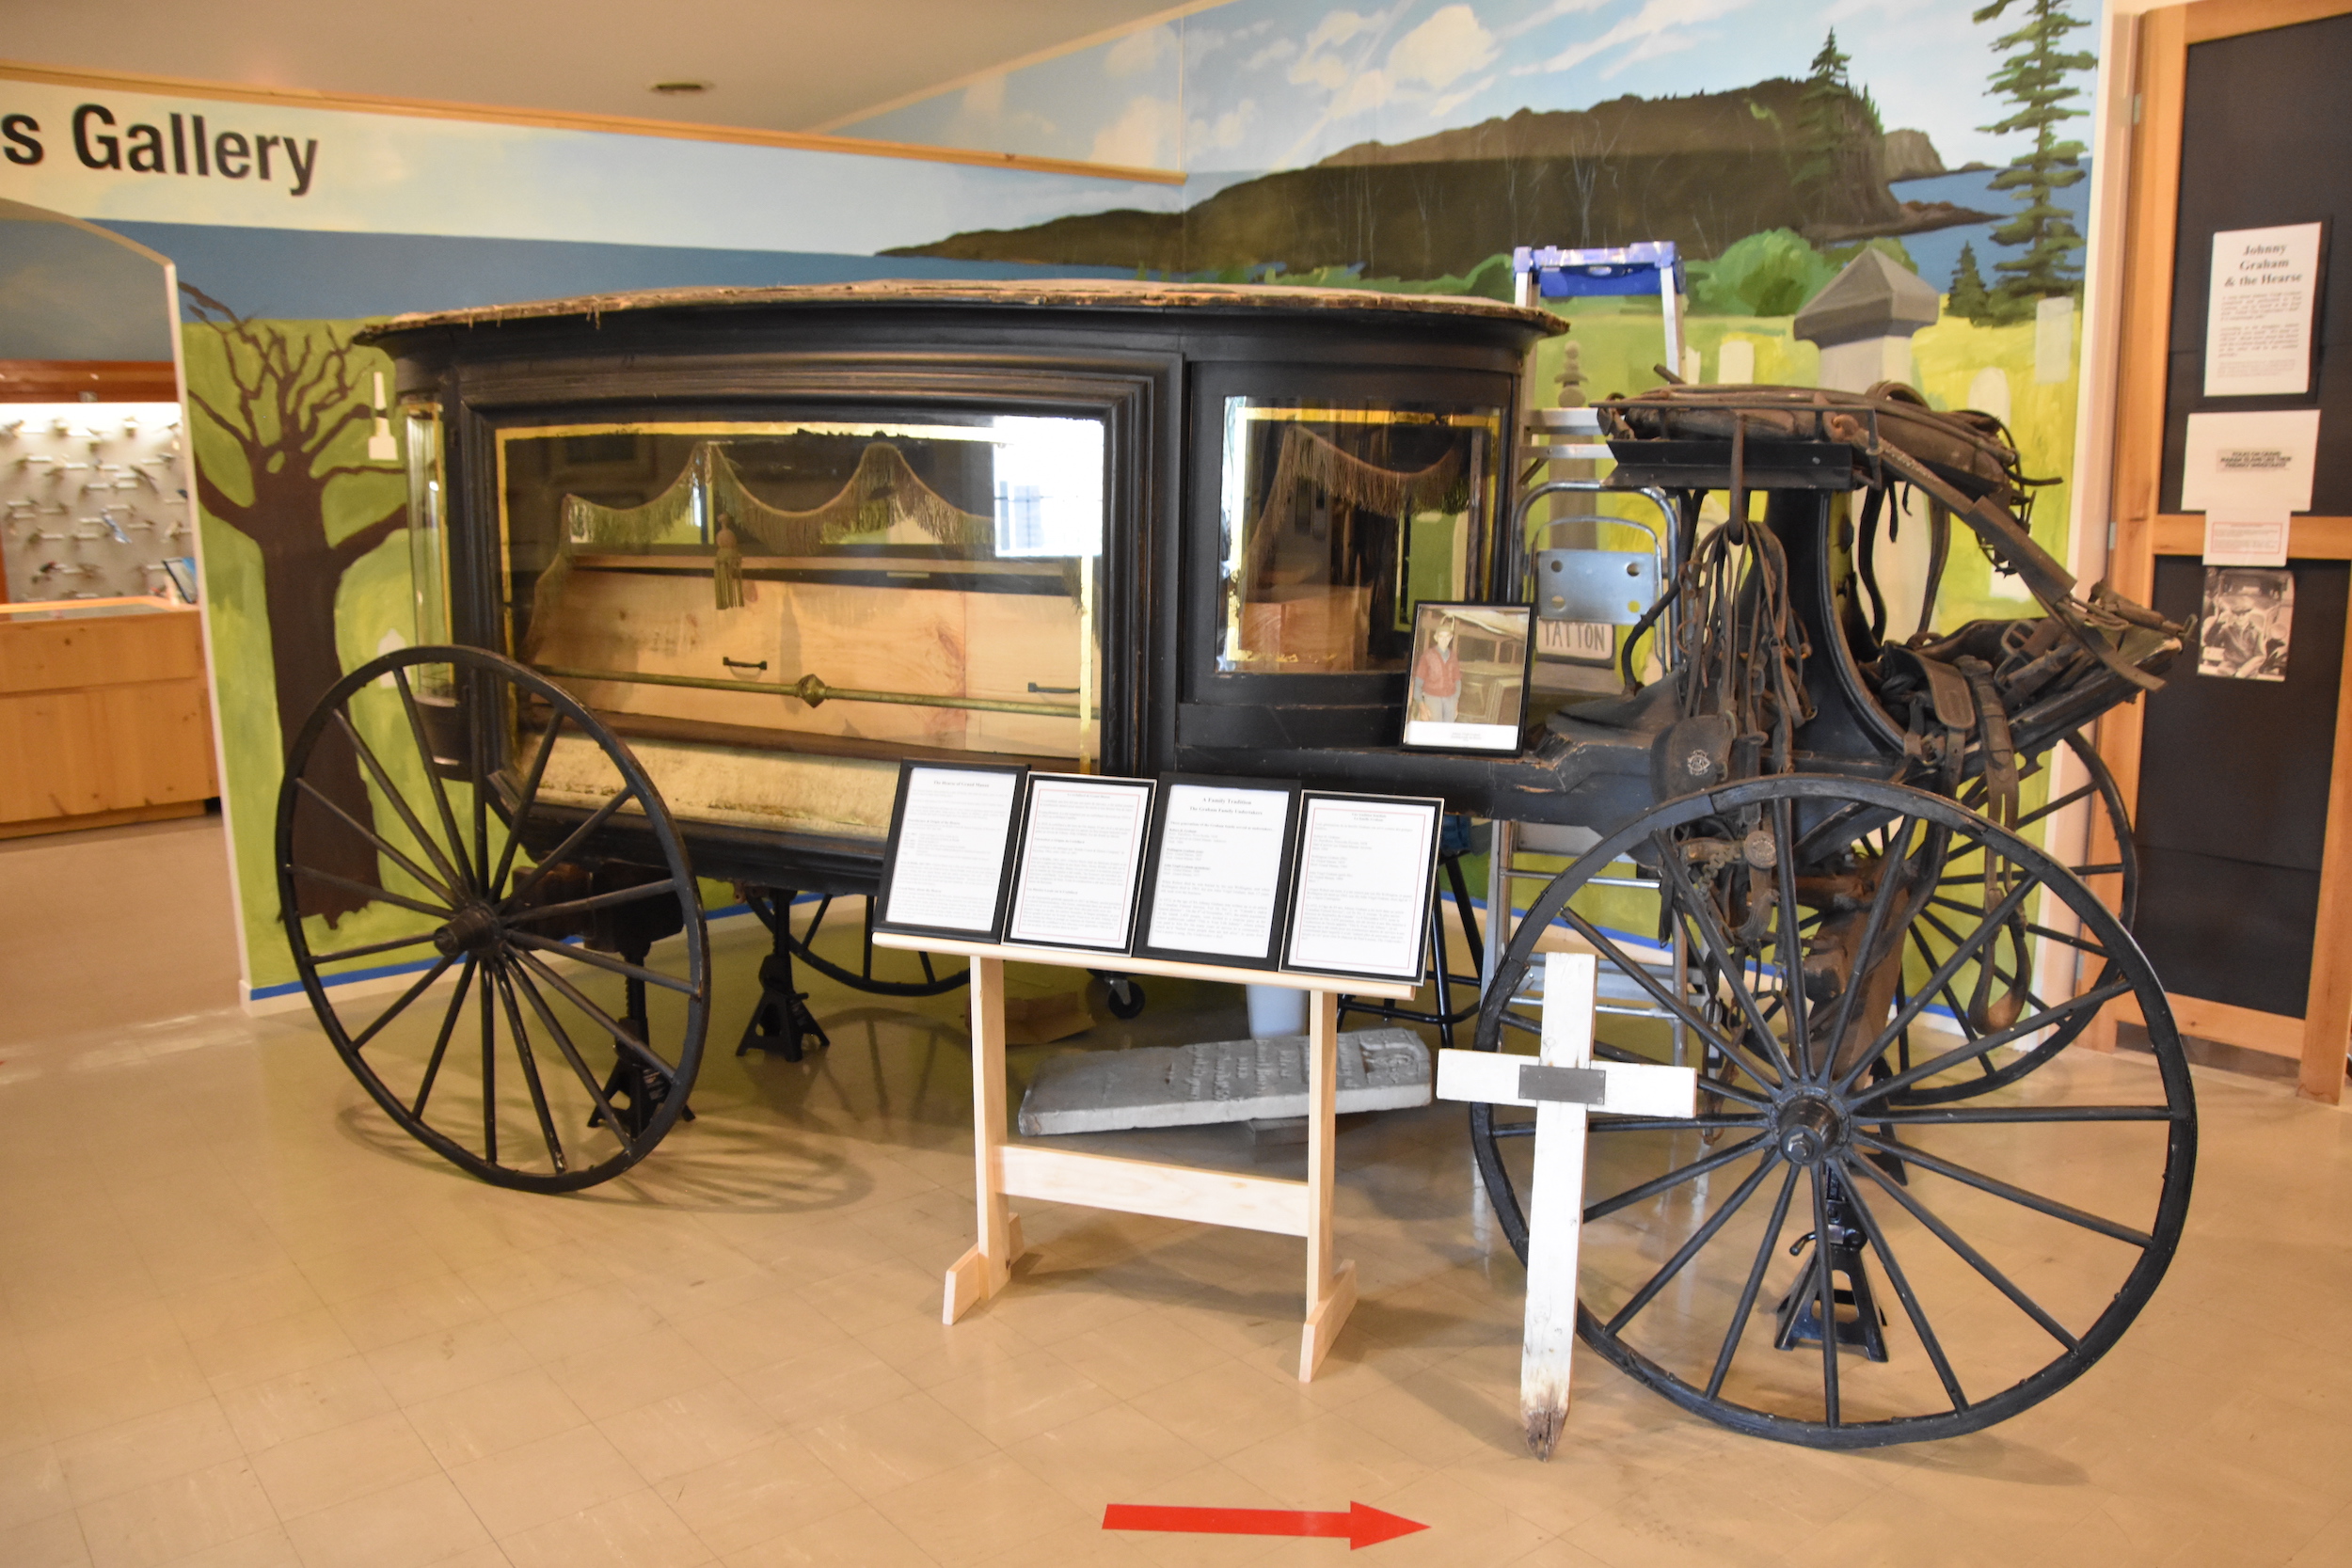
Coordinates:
(2319,1038)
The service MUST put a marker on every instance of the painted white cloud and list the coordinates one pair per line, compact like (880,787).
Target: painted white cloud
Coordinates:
(1361,94)
(1553,11)
(1200,42)
(1144,135)
(1445,104)
(1650,30)
(1337,28)
(1273,53)
(1354,85)
(1655,46)
(985,97)
(1443,50)
(1138,52)
(1893,10)
(1450,44)
(1226,131)
(1317,69)
(982,114)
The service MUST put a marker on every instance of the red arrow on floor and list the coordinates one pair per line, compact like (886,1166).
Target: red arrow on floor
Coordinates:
(1359,1527)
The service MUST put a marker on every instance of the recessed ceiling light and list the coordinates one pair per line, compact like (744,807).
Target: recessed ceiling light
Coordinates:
(680,88)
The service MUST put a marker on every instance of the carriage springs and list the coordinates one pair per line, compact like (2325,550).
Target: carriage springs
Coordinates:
(185,146)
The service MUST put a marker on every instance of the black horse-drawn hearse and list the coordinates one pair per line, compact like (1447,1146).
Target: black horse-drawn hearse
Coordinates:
(697,570)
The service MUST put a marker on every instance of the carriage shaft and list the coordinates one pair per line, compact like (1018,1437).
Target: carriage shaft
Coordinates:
(809,690)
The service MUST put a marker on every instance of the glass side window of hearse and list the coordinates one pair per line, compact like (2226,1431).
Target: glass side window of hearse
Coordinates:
(1337,520)
(852,589)
(428,535)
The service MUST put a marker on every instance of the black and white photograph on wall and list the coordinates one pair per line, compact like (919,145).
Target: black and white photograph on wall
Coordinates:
(1469,690)
(2246,622)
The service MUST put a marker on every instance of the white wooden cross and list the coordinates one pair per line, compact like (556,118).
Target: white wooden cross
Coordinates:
(1563,1085)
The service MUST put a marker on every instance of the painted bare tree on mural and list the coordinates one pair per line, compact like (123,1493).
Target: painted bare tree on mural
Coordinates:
(298,392)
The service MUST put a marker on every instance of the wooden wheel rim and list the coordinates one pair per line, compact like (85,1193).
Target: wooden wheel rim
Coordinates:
(505,975)
(1824,1427)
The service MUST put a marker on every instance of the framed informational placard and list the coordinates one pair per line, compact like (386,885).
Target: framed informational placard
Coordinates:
(1469,687)
(946,870)
(1217,878)
(1080,863)
(1360,885)
(2266,289)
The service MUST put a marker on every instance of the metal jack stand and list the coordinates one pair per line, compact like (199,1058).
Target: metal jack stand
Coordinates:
(633,1089)
(1799,1310)
(780,1022)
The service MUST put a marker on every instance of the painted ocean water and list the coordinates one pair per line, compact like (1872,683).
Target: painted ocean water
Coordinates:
(1937,252)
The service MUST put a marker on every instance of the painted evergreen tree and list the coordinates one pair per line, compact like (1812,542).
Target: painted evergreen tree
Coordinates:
(2033,77)
(1970,299)
(1829,71)
(1837,128)
(1818,109)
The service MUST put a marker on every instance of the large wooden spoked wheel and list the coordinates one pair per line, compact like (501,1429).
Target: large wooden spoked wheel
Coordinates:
(2023,962)
(577,983)
(1981,1257)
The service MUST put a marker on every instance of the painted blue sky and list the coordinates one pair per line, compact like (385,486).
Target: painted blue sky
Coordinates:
(403,174)
(1277,84)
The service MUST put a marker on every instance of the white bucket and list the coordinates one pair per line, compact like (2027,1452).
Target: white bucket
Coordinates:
(1276,1010)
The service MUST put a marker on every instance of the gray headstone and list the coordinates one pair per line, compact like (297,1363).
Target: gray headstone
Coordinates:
(1189,1085)
(1873,297)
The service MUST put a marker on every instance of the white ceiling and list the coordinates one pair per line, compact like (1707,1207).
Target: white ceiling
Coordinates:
(777,65)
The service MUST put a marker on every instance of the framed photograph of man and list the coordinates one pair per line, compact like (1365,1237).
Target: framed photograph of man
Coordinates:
(1468,690)
(2247,624)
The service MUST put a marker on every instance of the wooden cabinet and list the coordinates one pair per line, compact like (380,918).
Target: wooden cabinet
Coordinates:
(105,716)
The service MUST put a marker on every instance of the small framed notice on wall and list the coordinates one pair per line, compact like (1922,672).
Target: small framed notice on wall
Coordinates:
(1080,862)
(951,832)
(1362,882)
(1469,685)
(1219,871)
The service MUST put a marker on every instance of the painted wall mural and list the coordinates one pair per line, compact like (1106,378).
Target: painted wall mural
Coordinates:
(1415,145)
(1406,146)
(1421,140)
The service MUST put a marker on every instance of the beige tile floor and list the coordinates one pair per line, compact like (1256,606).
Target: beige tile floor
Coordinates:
(81,901)
(243,1323)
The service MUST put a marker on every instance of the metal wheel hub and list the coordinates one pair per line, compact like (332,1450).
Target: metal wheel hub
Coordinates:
(1809,1127)
(474,930)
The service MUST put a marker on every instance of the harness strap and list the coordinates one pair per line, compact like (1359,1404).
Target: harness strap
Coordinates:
(1997,751)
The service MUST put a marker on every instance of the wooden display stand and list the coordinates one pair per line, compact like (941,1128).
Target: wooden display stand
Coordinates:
(1004,1169)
